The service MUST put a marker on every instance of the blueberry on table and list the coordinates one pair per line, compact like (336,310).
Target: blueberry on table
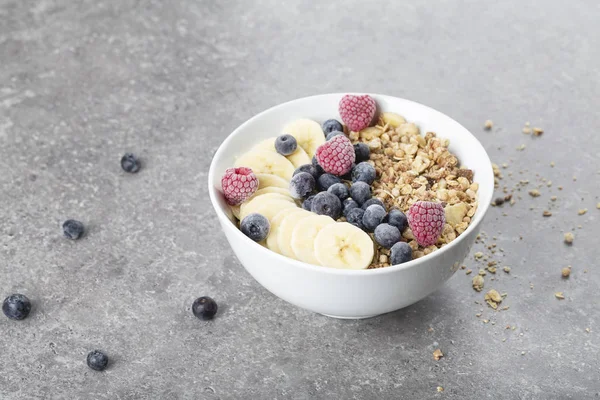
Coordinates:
(302,185)
(397,218)
(16,306)
(326,180)
(255,226)
(355,217)
(307,168)
(130,163)
(331,125)
(307,203)
(401,253)
(286,144)
(373,216)
(348,205)
(360,192)
(328,204)
(333,134)
(361,152)
(364,172)
(204,308)
(97,360)
(372,201)
(73,229)
(387,235)
(340,190)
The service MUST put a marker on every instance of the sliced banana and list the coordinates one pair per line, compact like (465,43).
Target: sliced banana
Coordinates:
(286,227)
(272,239)
(343,245)
(285,192)
(297,158)
(304,234)
(268,180)
(271,208)
(235,210)
(257,202)
(267,162)
(308,134)
(392,119)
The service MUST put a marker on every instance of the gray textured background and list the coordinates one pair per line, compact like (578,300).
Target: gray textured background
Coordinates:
(81,82)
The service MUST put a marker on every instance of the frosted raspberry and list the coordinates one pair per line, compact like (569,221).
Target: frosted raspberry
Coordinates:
(238,184)
(357,112)
(426,220)
(336,156)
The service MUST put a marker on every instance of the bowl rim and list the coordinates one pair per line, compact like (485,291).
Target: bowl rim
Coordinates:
(483,204)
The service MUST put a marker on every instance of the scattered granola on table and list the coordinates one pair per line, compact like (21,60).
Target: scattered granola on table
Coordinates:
(559,295)
(478,283)
(566,272)
(488,124)
(493,298)
(437,354)
(569,237)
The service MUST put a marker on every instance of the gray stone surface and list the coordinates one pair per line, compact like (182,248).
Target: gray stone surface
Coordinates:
(81,82)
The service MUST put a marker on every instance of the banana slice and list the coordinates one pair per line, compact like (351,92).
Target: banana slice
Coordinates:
(286,227)
(393,119)
(297,158)
(343,245)
(285,192)
(308,134)
(257,202)
(303,237)
(267,162)
(274,229)
(271,208)
(267,180)
(235,210)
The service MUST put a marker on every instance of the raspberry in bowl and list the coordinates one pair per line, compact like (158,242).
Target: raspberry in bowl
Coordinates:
(386,211)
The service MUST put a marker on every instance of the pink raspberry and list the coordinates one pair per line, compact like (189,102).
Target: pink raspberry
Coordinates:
(426,220)
(357,112)
(238,184)
(336,156)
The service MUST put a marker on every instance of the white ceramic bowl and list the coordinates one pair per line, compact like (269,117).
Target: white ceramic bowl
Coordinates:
(350,293)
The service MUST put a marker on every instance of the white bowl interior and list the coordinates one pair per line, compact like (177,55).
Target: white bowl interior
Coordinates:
(269,123)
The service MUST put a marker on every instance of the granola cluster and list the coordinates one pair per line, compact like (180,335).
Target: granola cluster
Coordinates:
(412,167)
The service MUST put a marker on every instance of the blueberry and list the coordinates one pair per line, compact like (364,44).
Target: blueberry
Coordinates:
(397,218)
(355,216)
(307,168)
(373,216)
(307,204)
(97,360)
(130,163)
(331,125)
(360,192)
(326,203)
(204,308)
(315,163)
(255,226)
(387,235)
(372,201)
(364,172)
(333,134)
(286,144)
(302,185)
(340,190)
(326,180)
(73,229)
(361,152)
(16,306)
(348,205)
(401,253)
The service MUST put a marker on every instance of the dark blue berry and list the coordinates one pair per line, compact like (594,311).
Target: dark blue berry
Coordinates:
(331,125)
(97,360)
(302,185)
(372,201)
(326,203)
(204,308)
(307,204)
(315,163)
(373,216)
(73,229)
(326,180)
(348,205)
(401,253)
(386,235)
(355,217)
(255,226)
(340,190)
(361,152)
(364,172)
(130,163)
(333,134)
(16,306)
(397,218)
(360,192)
(307,168)
(286,144)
